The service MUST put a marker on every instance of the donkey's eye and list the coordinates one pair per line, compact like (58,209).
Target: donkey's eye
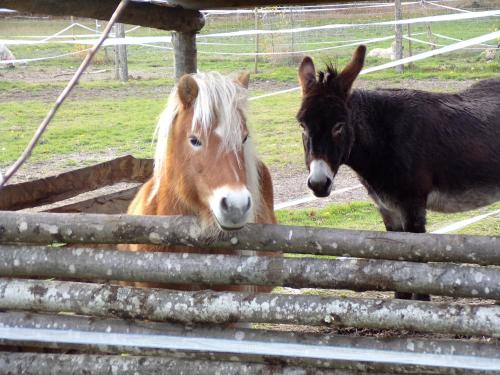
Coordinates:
(195,142)
(245,139)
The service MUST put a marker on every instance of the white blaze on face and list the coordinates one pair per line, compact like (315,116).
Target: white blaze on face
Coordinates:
(231,207)
(320,171)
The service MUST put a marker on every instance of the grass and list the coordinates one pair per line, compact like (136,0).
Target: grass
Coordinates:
(364,216)
(83,126)
(277,134)
(127,124)
(7,85)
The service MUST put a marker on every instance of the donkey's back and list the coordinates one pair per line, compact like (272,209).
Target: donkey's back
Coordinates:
(449,143)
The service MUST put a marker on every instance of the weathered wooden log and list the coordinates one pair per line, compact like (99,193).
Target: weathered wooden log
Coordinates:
(172,230)
(221,308)
(354,274)
(19,319)
(401,355)
(69,184)
(148,14)
(84,364)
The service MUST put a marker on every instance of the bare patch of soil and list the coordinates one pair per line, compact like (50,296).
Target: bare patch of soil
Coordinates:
(290,184)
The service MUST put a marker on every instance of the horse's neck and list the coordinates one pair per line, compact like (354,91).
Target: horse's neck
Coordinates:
(167,200)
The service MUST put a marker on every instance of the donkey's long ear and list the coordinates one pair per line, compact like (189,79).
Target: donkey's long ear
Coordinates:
(243,79)
(187,89)
(307,74)
(348,75)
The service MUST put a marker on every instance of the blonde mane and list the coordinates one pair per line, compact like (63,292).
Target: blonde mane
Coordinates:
(220,101)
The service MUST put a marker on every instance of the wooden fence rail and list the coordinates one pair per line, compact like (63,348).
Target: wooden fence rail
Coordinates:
(354,274)
(188,340)
(210,307)
(286,350)
(43,228)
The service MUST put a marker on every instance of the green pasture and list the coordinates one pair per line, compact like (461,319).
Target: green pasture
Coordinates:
(465,64)
(364,216)
(104,119)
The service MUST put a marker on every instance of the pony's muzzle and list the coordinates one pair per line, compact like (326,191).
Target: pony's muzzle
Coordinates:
(231,208)
(320,179)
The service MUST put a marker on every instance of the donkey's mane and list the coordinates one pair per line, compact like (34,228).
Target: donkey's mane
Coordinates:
(327,76)
(221,101)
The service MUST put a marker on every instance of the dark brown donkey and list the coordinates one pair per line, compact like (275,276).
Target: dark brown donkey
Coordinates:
(412,150)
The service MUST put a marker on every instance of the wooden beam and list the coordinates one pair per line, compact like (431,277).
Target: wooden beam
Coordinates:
(66,185)
(221,4)
(114,203)
(137,13)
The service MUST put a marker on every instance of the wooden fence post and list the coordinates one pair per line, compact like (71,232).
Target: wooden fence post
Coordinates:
(398,50)
(256,12)
(410,46)
(121,64)
(184,52)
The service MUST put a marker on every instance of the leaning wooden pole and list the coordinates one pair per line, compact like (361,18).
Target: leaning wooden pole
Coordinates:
(104,300)
(44,228)
(353,274)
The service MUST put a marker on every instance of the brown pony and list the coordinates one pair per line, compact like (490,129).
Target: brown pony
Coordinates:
(206,165)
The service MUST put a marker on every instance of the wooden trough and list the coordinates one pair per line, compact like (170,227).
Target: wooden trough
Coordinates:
(192,332)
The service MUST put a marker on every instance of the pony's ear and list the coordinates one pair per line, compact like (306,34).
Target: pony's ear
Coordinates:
(243,79)
(307,74)
(348,75)
(187,89)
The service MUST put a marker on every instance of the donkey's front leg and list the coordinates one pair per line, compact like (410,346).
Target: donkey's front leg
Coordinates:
(393,223)
(414,218)
(392,220)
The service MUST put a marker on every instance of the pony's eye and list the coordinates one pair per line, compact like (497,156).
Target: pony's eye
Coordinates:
(245,139)
(195,142)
